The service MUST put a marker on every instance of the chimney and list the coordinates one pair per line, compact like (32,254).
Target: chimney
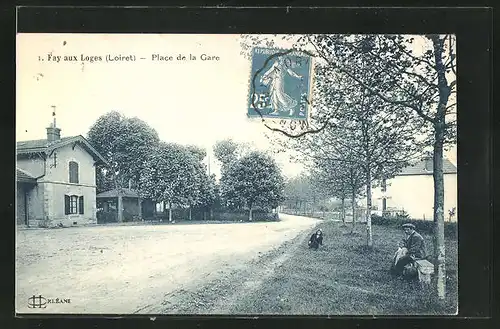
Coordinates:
(53,133)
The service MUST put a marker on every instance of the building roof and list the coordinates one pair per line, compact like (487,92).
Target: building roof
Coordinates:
(425,167)
(38,143)
(124,192)
(24,176)
(44,146)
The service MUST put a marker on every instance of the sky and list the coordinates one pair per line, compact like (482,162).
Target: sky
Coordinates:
(188,102)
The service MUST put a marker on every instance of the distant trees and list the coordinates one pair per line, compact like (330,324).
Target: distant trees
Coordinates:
(300,191)
(340,177)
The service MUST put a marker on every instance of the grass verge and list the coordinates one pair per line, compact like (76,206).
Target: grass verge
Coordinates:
(344,277)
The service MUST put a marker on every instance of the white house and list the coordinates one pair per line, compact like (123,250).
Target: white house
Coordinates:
(56,182)
(412,190)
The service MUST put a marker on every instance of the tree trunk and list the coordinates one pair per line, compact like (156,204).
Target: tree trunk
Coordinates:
(169,211)
(139,205)
(120,209)
(369,208)
(250,213)
(439,129)
(211,213)
(190,213)
(204,214)
(353,205)
(164,206)
(342,211)
(439,247)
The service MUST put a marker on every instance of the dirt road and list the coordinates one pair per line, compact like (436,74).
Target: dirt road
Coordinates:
(151,269)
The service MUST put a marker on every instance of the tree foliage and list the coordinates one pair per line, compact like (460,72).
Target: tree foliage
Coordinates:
(254,180)
(226,151)
(299,188)
(176,174)
(125,143)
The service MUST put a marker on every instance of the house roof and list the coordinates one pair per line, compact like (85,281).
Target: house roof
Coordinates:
(124,192)
(24,176)
(425,167)
(44,146)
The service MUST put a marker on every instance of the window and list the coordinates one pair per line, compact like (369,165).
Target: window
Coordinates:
(73,205)
(73,172)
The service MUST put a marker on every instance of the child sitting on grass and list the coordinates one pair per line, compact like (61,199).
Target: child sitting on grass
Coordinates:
(316,240)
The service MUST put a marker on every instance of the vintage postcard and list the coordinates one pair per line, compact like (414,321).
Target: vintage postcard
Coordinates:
(162,174)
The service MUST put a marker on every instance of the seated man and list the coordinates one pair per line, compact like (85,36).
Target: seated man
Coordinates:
(316,239)
(411,248)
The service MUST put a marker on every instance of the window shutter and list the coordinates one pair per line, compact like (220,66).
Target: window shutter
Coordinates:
(80,205)
(66,204)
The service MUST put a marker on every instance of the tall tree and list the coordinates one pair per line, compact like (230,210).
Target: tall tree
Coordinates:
(168,175)
(125,143)
(209,195)
(254,180)
(200,190)
(226,151)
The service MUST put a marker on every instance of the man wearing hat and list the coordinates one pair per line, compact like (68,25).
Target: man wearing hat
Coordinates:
(411,248)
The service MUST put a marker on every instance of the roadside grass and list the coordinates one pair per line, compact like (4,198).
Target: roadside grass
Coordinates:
(344,277)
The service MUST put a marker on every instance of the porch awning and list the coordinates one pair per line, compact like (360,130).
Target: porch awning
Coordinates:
(24,176)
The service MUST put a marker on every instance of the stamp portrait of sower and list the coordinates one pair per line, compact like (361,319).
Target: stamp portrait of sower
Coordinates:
(280,84)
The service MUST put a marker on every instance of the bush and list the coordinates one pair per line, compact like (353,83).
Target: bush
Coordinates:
(258,215)
(423,226)
(234,215)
